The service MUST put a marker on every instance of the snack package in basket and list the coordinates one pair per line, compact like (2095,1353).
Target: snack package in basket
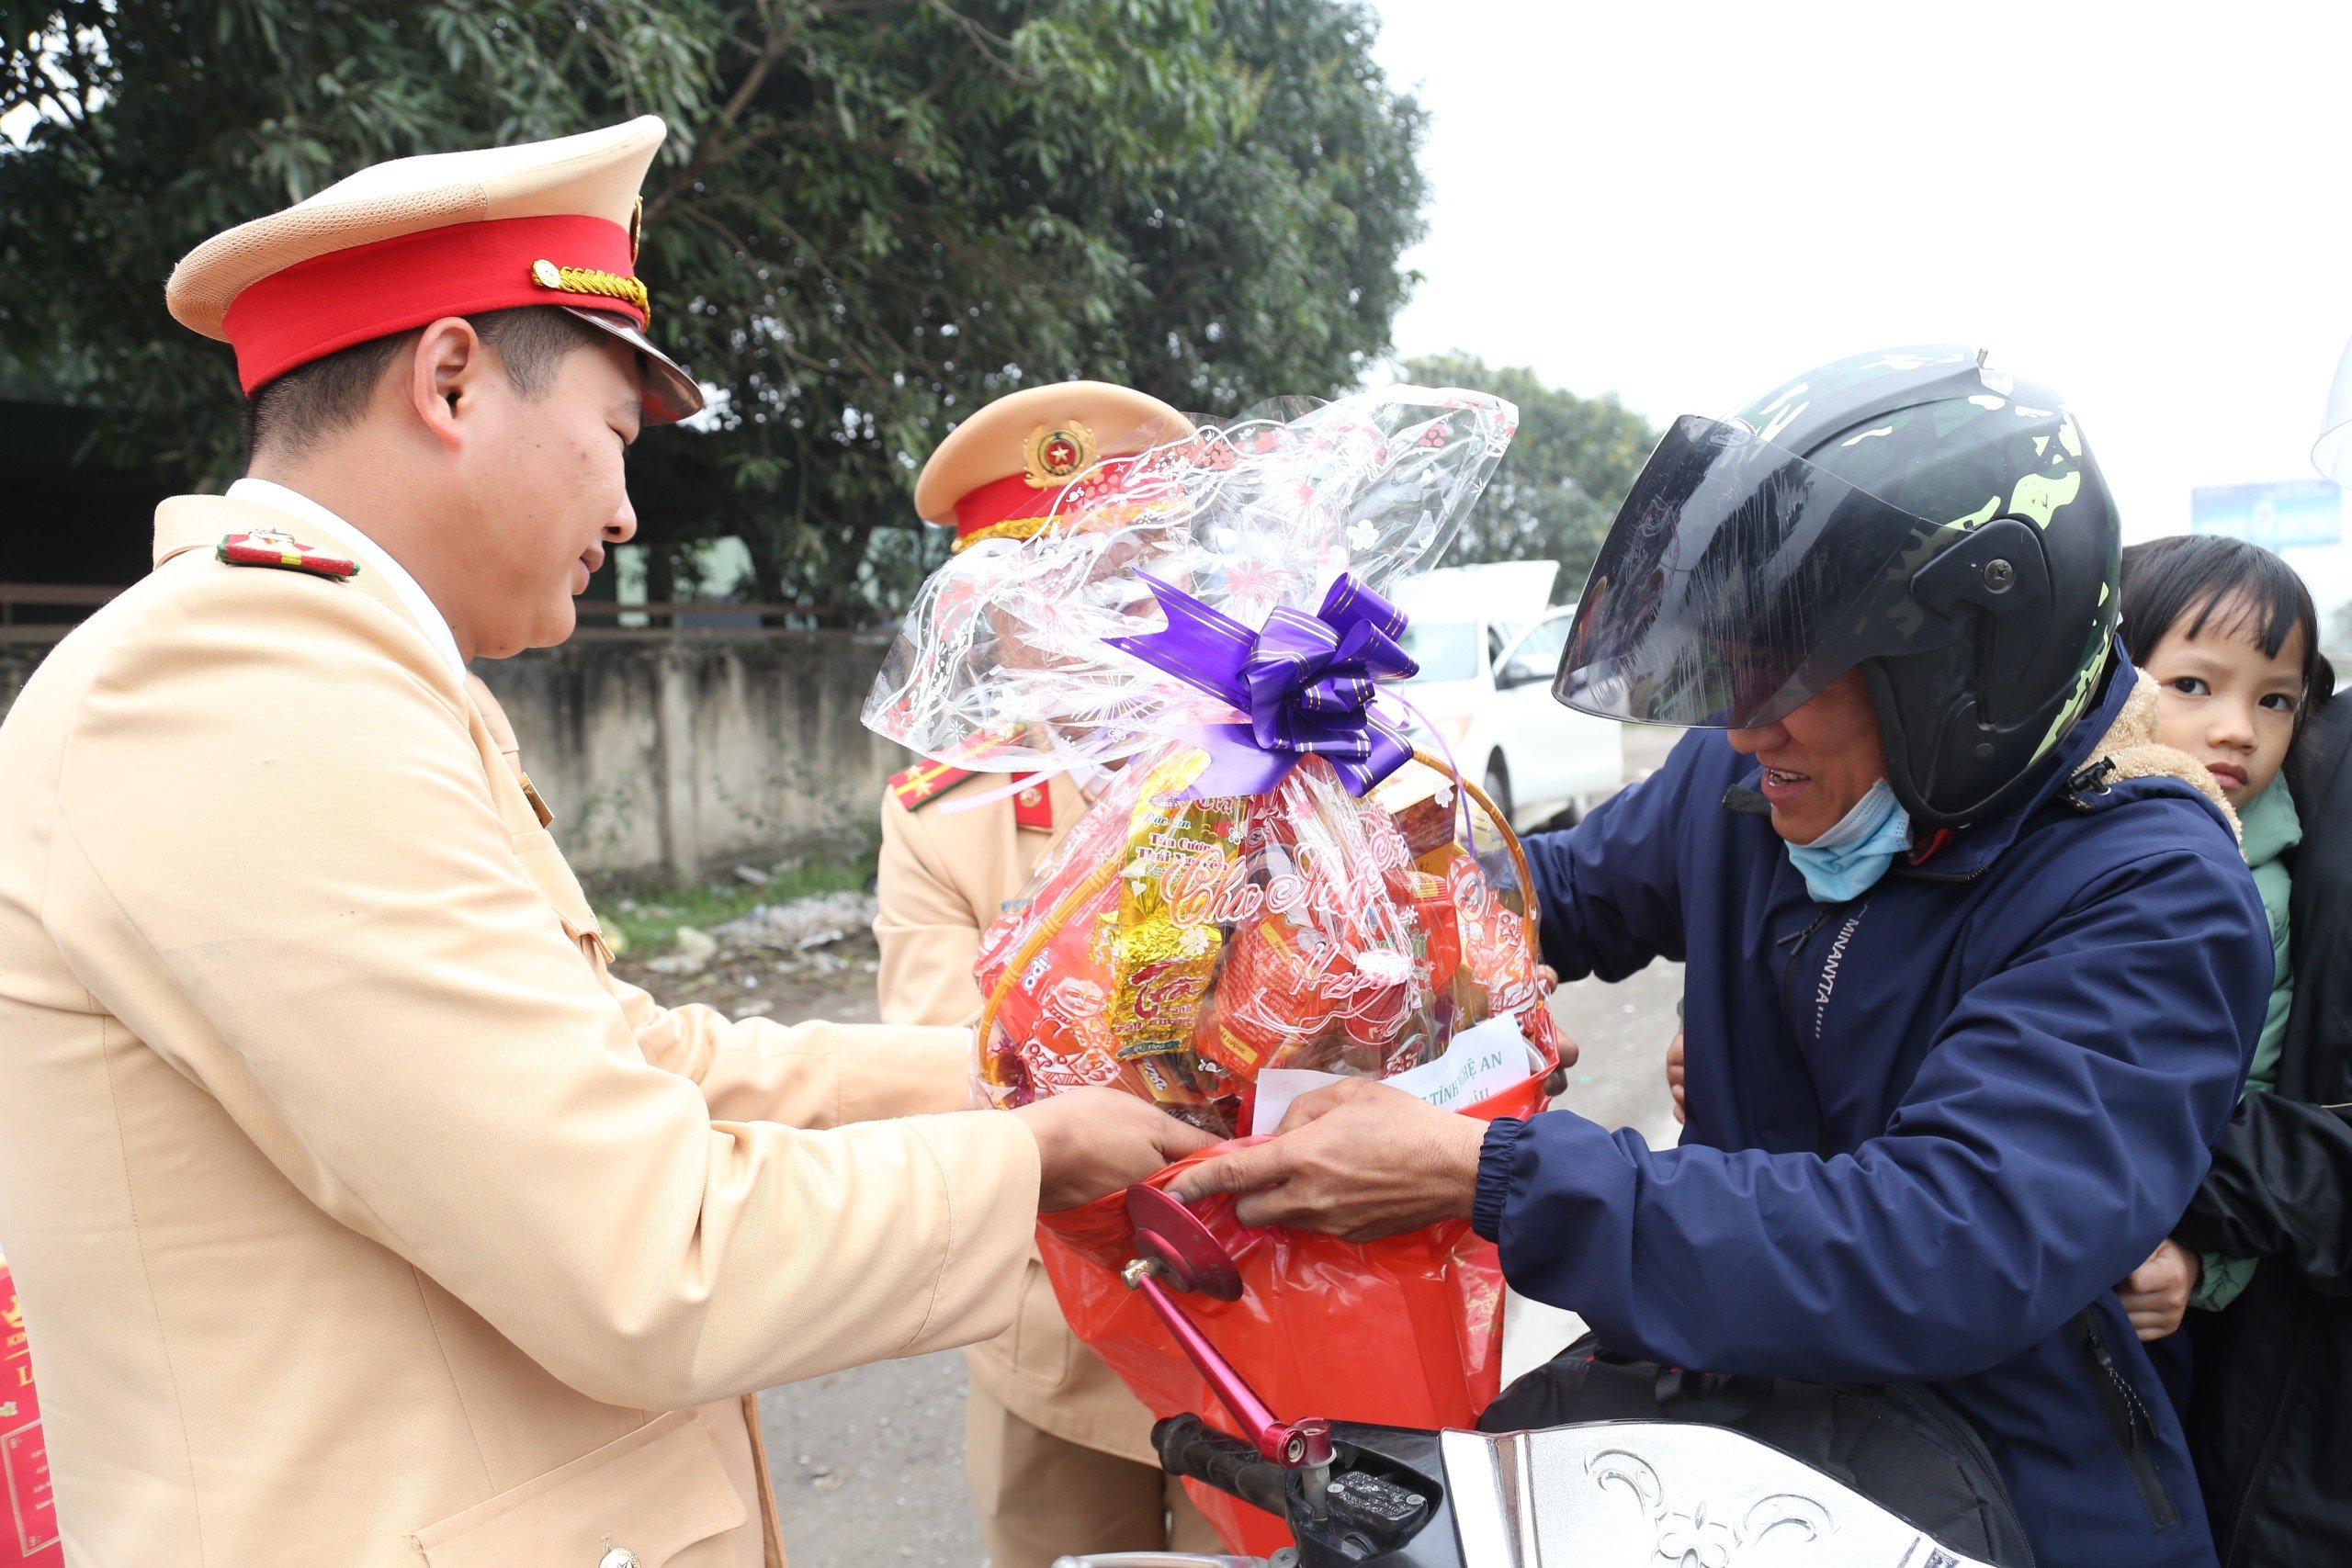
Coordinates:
(1273,886)
(1180,948)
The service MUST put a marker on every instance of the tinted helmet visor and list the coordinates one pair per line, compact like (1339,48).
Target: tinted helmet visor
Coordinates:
(1737,581)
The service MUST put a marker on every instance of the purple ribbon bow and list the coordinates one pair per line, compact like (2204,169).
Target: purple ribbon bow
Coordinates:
(1306,682)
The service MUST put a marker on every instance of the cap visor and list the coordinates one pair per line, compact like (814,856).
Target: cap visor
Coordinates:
(670,393)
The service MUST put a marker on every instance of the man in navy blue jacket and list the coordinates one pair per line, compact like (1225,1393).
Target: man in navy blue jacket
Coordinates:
(1973,966)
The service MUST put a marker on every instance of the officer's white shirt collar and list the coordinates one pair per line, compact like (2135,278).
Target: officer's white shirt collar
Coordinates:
(364,550)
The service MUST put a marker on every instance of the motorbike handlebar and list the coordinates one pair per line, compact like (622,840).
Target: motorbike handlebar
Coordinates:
(1188,1446)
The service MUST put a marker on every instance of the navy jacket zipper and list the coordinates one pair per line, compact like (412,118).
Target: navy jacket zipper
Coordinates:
(2127,1418)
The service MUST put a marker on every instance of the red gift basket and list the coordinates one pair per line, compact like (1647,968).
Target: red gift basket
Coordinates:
(1406,1331)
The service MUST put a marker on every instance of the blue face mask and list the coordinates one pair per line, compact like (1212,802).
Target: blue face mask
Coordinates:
(1847,862)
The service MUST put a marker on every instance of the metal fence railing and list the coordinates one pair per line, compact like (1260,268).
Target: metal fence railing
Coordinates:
(606,620)
(44,612)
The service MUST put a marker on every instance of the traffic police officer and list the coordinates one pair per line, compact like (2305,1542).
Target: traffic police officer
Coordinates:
(1058,1453)
(359,1215)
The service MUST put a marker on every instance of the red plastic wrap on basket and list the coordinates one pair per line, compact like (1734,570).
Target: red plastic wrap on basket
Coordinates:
(1317,1319)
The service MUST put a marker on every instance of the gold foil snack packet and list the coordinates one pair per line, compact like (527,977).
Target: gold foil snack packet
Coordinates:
(1179,855)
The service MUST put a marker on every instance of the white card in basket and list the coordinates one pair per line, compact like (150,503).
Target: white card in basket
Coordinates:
(1479,1064)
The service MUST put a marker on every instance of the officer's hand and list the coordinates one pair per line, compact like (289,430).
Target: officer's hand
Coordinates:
(1674,1074)
(1094,1142)
(1358,1160)
(2155,1295)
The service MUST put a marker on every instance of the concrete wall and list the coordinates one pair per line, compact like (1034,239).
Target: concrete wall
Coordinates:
(674,755)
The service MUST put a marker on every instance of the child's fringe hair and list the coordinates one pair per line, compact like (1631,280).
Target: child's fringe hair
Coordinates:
(2203,578)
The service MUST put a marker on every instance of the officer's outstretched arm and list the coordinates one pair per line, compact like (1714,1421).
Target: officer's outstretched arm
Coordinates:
(320,918)
(826,1075)
(753,1070)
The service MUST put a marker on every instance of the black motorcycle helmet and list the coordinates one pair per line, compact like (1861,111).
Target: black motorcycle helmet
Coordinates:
(1910,512)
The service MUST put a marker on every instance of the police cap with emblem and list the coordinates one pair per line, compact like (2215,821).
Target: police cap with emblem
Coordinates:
(406,242)
(1002,473)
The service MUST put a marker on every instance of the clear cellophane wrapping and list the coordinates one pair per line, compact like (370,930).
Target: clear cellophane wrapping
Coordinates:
(1004,661)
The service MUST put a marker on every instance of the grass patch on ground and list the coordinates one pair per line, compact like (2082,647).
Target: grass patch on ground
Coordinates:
(646,912)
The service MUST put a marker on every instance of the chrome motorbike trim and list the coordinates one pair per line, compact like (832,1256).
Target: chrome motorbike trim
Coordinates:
(1598,1494)
(1486,1477)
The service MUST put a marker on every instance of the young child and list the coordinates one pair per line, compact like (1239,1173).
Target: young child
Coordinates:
(2227,632)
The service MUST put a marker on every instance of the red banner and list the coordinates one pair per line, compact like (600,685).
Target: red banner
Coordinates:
(27,1514)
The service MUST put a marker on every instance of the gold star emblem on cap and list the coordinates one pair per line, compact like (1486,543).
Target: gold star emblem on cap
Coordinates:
(1052,454)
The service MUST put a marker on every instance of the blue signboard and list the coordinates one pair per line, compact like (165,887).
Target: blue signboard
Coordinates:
(2277,516)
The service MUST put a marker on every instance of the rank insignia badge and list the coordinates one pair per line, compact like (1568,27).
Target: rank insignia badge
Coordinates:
(1033,807)
(285,551)
(924,781)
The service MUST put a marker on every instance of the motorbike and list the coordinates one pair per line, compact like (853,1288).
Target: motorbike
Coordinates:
(1629,1494)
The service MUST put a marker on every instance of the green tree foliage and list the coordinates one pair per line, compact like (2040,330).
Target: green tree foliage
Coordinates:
(1557,488)
(872,215)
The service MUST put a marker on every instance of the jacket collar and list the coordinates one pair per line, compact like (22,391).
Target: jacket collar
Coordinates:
(2272,825)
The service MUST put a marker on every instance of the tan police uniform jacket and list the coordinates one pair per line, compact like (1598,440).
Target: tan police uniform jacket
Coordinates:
(359,1217)
(943,878)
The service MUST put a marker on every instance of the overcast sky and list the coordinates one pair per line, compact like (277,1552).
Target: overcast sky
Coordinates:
(1685,203)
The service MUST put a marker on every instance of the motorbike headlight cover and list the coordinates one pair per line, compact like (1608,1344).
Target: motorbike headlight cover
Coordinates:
(1737,581)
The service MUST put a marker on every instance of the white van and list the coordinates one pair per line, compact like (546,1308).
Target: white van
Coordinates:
(1489,646)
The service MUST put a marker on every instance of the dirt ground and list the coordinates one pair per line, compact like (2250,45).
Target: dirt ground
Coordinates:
(839,986)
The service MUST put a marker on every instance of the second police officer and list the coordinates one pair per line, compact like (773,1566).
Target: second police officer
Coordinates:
(1058,1453)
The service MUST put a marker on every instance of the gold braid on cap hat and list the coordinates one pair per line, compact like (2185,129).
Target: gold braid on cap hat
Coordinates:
(588,280)
(1090,520)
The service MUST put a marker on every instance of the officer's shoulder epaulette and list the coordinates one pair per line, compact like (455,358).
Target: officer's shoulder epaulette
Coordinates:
(932,777)
(926,781)
(270,549)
